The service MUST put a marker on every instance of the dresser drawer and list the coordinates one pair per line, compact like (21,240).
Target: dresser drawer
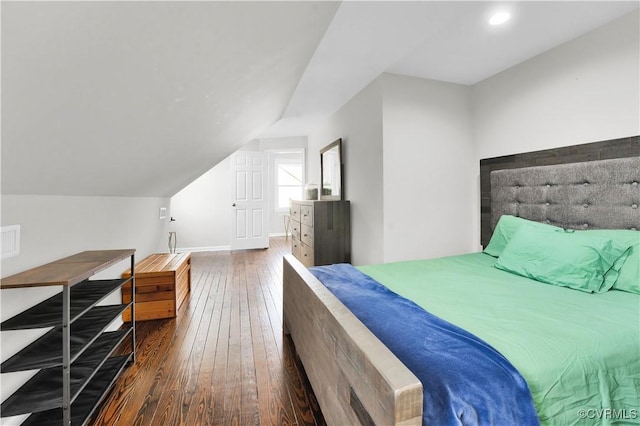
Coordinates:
(306,215)
(296,230)
(294,212)
(303,253)
(296,249)
(306,255)
(306,234)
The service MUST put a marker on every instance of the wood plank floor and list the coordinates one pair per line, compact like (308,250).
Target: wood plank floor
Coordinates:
(224,360)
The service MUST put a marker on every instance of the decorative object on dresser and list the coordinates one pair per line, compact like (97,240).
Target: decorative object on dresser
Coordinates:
(321,232)
(163,281)
(75,359)
(311,191)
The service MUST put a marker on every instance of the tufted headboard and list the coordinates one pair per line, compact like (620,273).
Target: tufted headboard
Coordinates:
(626,147)
(601,194)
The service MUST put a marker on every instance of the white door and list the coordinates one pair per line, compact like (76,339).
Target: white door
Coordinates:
(249,212)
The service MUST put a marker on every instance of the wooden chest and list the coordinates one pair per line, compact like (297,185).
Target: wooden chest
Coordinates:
(163,282)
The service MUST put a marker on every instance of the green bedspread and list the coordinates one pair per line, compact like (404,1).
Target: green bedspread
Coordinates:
(579,352)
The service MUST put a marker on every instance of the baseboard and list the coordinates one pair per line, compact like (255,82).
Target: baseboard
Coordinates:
(220,248)
(196,249)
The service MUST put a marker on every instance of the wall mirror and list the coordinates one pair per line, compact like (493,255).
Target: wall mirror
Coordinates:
(331,171)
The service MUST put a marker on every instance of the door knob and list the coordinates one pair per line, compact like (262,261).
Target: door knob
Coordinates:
(233,205)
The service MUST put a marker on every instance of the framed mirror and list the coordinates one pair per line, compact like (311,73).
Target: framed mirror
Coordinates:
(331,169)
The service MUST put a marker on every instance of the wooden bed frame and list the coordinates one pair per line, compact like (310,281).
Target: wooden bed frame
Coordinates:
(355,378)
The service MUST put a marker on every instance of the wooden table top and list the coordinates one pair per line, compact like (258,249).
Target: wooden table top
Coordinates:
(160,262)
(67,271)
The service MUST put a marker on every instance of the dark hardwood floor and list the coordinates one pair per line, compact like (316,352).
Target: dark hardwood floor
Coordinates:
(224,359)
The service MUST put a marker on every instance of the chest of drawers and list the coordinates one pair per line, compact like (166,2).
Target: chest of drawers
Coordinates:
(321,232)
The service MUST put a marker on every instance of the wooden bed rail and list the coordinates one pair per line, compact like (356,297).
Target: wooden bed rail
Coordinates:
(356,379)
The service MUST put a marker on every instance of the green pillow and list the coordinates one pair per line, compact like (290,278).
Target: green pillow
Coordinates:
(568,259)
(506,228)
(628,269)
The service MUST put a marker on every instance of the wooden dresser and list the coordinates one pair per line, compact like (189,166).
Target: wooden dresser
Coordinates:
(321,232)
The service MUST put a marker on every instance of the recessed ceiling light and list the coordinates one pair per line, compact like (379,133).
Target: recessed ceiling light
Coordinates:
(499,18)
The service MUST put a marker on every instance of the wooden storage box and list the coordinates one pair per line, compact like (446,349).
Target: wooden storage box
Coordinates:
(163,282)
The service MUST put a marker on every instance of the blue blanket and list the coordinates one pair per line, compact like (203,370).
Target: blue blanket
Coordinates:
(465,381)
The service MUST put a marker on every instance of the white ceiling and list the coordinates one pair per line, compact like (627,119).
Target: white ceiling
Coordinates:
(442,40)
(140,98)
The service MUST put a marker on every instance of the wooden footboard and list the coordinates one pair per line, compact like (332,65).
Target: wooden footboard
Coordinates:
(355,378)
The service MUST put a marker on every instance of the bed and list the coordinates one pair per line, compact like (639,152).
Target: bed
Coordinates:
(358,380)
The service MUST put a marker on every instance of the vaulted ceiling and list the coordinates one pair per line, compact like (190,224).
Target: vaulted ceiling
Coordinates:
(140,98)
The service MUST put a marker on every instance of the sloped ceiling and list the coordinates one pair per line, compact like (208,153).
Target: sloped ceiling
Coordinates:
(140,98)
(441,40)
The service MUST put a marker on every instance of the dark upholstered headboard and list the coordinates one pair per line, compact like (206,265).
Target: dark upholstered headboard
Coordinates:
(566,197)
(590,195)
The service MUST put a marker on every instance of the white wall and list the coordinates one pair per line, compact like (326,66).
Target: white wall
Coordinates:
(359,124)
(56,226)
(428,169)
(583,91)
(53,227)
(202,209)
(412,146)
(408,168)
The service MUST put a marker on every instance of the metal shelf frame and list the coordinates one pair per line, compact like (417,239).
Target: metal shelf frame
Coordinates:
(98,376)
